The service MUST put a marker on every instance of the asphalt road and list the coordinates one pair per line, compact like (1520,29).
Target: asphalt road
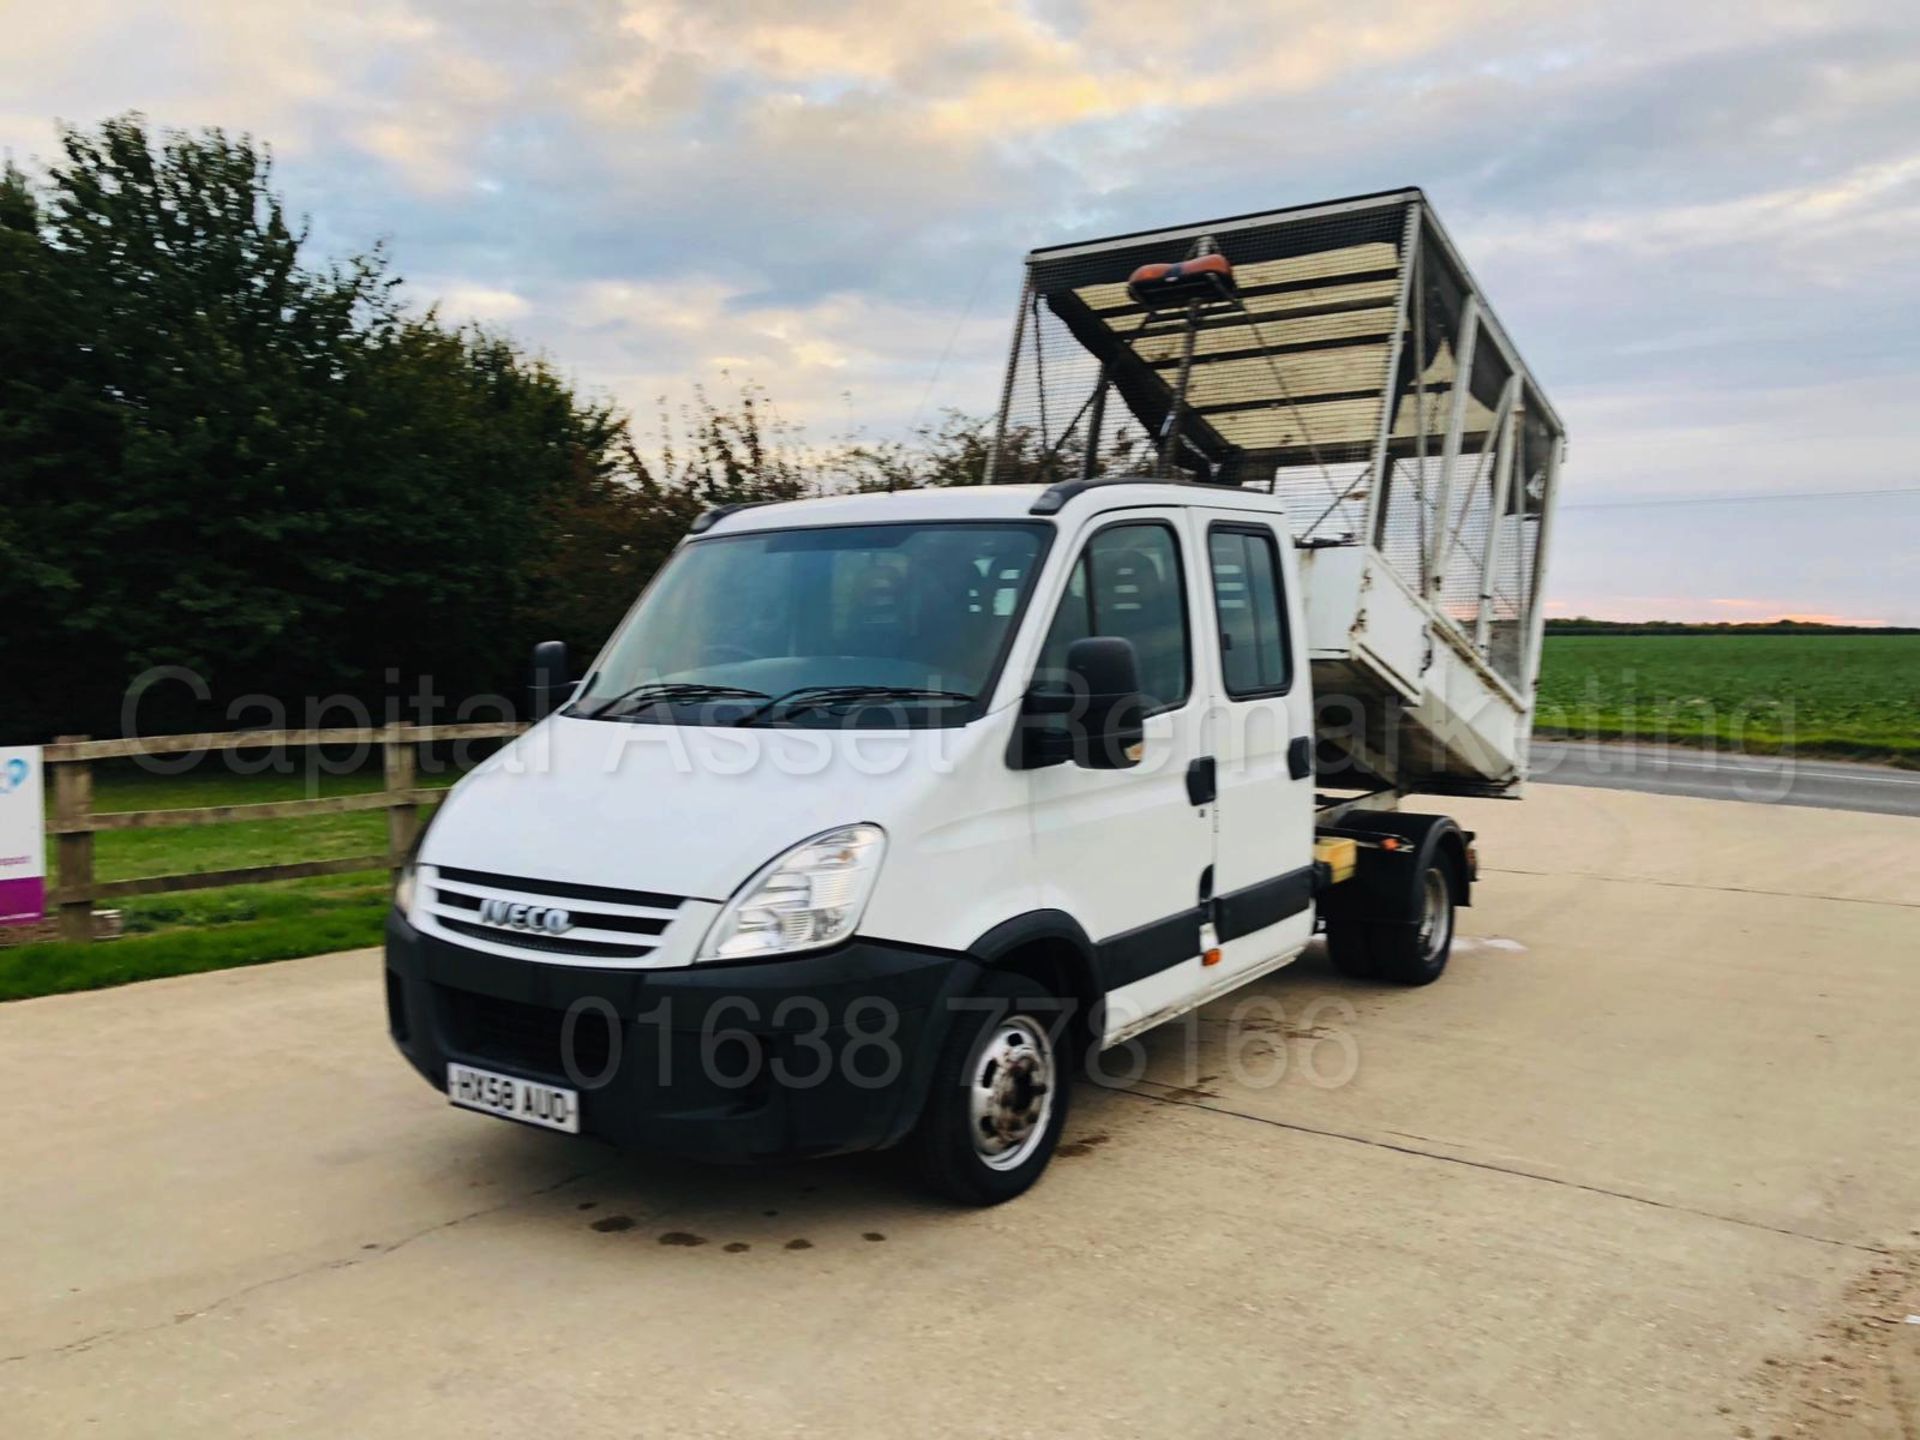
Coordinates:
(1760,779)
(1641,1165)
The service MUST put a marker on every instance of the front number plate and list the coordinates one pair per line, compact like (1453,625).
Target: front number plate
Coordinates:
(513,1098)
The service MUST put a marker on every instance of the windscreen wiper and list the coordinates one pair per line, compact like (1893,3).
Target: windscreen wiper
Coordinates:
(809,697)
(655,692)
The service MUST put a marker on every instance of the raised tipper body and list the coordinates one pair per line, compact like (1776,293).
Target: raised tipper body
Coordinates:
(1344,359)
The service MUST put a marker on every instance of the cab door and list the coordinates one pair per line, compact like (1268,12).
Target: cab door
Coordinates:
(1126,852)
(1260,734)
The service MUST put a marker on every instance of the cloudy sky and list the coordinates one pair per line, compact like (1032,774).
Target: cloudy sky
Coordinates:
(1701,222)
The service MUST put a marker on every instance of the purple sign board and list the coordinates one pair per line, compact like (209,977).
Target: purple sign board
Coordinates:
(23,840)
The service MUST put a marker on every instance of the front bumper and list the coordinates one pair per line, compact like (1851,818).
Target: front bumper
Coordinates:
(810,1056)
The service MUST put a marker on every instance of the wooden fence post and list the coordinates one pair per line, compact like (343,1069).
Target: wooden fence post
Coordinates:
(74,889)
(403,815)
(73,808)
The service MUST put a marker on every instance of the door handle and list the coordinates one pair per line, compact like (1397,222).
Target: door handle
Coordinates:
(1202,781)
(1300,758)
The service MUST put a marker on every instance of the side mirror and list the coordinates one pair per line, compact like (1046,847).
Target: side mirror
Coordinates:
(1100,712)
(1107,671)
(552,678)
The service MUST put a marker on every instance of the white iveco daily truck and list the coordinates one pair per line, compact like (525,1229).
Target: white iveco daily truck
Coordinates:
(879,812)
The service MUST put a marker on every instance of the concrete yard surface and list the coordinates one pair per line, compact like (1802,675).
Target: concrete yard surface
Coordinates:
(1645,1162)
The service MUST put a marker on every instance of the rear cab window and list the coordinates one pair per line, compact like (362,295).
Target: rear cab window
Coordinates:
(1249,605)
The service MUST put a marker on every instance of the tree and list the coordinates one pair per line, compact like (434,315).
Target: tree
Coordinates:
(218,454)
(215,455)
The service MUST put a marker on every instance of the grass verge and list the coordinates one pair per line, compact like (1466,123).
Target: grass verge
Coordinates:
(208,930)
(197,930)
(1815,747)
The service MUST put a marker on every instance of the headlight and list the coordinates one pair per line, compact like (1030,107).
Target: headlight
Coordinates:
(404,886)
(808,898)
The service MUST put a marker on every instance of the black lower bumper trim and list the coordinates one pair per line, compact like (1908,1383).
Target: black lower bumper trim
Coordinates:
(809,1056)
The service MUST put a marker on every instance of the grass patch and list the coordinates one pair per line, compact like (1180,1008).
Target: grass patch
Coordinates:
(279,903)
(139,854)
(123,785)
(208,930)
(1854,696)
(196,930)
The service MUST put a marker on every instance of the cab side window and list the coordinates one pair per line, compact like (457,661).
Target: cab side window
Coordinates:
(1127,584)
(1255,656)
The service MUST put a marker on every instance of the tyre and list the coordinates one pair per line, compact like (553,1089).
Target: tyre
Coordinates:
(1403,952)
(999,1096)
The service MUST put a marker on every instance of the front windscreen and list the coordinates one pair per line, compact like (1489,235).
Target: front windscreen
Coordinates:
(790,626)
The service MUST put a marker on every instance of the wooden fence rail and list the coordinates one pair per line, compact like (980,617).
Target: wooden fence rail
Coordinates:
(75,822)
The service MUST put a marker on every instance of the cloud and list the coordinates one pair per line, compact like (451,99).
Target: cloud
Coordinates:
(652,341)
(1696,220)
(478,302)
(1822,232)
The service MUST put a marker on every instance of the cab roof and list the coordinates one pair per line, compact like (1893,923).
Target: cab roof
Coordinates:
(975,502)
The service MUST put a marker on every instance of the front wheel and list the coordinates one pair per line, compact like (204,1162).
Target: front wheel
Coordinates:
(999,1096)
(1404,952)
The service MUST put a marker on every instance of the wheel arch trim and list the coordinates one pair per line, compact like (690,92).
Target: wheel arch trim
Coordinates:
(1045,927)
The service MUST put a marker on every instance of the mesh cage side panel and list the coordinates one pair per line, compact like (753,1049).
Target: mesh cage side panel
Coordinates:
(1512,583)
(1327,504)
(1469,520)
(1519,553)
(1423,410)
(1469,512)
(1043,437)
(1407,516)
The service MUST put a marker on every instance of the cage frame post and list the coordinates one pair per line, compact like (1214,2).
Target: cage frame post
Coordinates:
(1096,423)
(1502,490)
(1509,399)
(1421,419)
(1463,349)
(1537,601)
(1170,428)
(991,477)
(1377,490)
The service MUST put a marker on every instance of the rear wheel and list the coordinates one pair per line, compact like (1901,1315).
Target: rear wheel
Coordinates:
(999,1096)
(1403,952)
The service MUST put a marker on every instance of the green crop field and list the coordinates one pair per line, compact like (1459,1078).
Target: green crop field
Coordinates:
(1844,695)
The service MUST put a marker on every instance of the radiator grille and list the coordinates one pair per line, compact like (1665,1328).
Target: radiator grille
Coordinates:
(549,917)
